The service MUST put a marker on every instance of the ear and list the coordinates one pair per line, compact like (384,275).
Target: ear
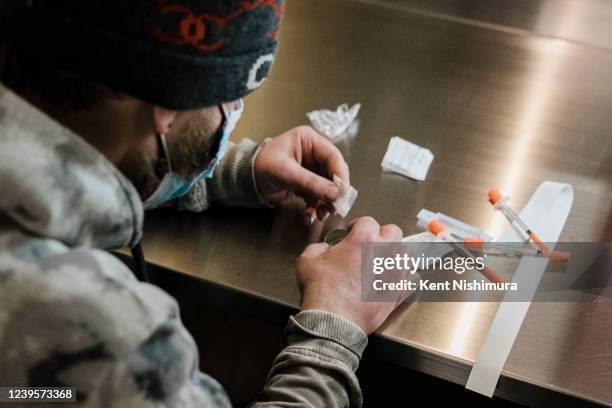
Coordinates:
(162,119)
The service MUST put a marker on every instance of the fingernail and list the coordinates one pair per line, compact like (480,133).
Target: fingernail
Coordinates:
(332,192)
(322,213)
(310,216)
(309,219)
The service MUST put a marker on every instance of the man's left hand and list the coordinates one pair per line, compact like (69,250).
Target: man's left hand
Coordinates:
(302,162)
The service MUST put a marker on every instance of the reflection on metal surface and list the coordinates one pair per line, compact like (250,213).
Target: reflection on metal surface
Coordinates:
(537,95)
(590,23)
(462,328)
(584,21)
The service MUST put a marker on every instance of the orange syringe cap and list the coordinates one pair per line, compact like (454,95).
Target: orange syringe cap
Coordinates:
(435,227)
(474,244)
(495,195)
(559,256)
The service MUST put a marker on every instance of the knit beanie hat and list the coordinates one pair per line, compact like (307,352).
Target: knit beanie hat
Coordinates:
(178,54)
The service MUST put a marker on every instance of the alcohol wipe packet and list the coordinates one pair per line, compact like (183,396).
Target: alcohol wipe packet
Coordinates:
(406,158)
(347,198)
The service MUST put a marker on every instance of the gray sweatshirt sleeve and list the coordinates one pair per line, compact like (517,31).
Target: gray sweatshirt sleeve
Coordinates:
(232,184)
(78,317)
(317,368)
(81,319)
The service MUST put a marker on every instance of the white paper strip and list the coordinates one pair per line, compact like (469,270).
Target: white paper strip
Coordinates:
(546,213)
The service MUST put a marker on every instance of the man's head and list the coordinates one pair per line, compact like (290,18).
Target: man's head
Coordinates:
(148,66)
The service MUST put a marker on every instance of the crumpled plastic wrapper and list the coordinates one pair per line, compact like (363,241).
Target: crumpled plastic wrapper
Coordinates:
(334,124)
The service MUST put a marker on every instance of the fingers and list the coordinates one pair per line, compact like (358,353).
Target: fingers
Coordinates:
(306,183)
(391,233)
(367,229)
(364,229)
(314,250)
(324,209)
(316,209)
(309,215)
(305,162)
(323,154)
(320,211)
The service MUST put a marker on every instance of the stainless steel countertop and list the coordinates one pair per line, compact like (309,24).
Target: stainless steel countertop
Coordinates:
(579,21)
(496,108)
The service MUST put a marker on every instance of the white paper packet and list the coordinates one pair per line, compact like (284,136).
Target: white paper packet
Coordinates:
(347,198)
(406,158)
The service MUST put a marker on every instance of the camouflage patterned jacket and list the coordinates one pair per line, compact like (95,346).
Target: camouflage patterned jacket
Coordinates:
(71,314)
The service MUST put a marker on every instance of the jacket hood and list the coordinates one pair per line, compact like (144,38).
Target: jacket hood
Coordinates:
(56,185)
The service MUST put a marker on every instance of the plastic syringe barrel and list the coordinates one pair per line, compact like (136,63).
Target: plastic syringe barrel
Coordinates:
(512,216)
(438,229)
(499,201)
(512,249)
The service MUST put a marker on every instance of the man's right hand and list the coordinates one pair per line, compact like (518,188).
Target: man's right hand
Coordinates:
(330,277)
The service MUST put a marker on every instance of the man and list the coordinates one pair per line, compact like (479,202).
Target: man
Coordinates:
(103,92)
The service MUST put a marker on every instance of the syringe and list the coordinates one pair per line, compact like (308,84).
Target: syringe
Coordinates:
(501,203)
(438,229)
(500,248)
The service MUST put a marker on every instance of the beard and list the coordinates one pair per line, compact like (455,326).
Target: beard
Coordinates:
(190,151)
(145,177)
(189,145)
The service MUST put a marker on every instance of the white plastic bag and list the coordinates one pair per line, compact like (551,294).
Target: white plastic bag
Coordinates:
(333,124)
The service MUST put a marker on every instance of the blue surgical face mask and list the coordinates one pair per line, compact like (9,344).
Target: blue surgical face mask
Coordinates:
(174,186)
